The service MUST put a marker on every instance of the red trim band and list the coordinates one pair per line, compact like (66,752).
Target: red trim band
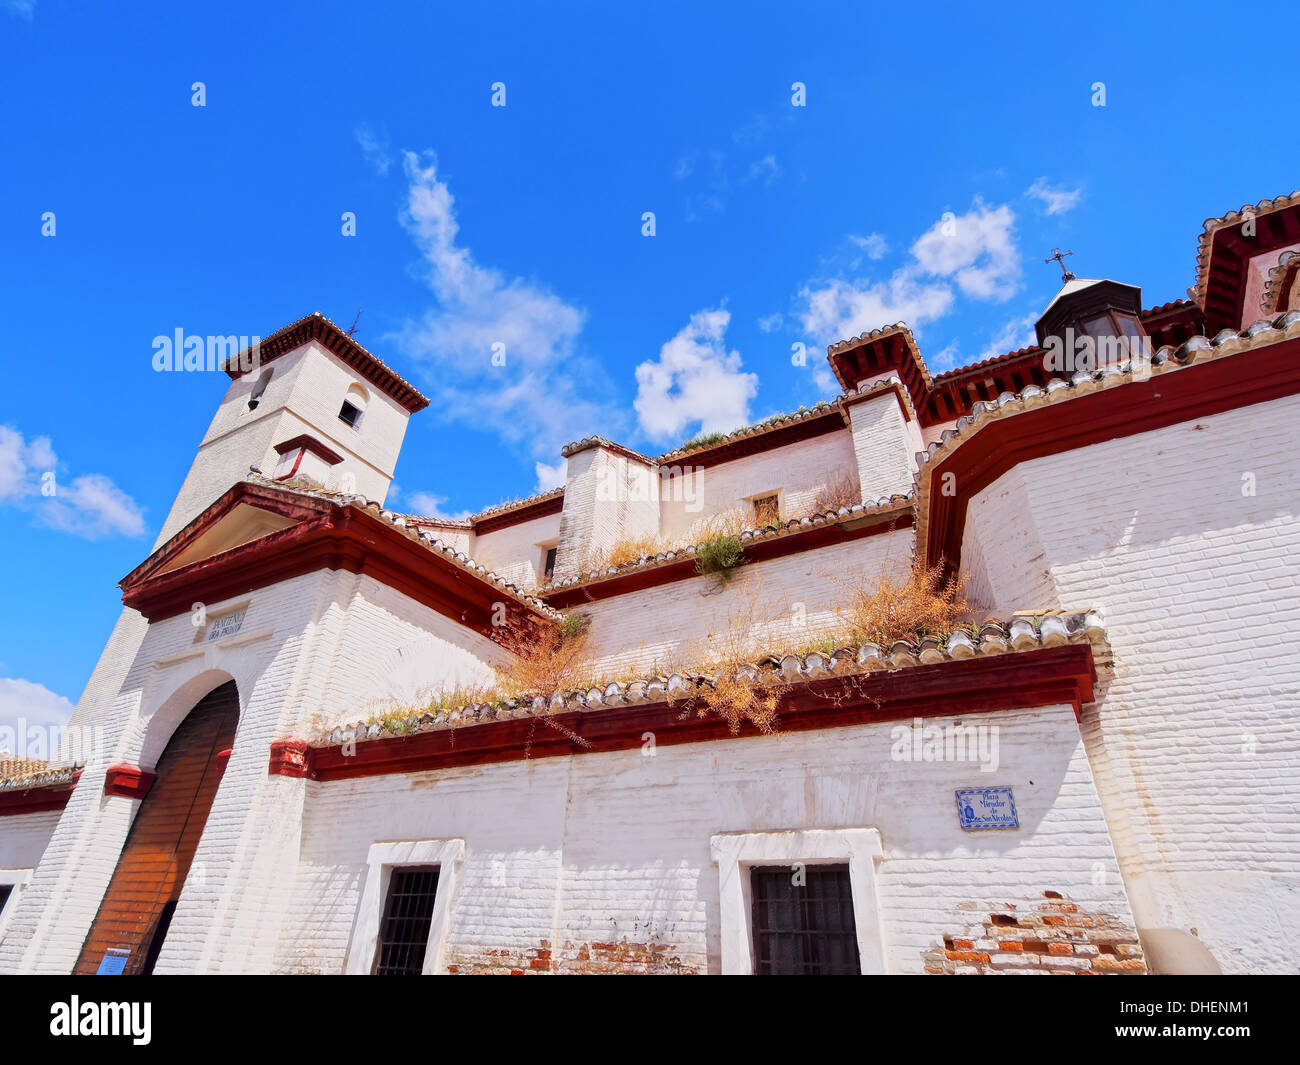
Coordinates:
(1195,391)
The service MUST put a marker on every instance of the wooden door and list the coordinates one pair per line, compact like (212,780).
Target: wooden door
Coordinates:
(146,885)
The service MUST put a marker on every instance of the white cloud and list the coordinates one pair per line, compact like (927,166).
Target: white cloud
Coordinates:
(695,380)
(35,706)
(874,244)
(839,309)
(428,505)
(1055,200)
(974,254)
(374,148)
(770,323)
(550,476)
(24,9)
(947,359)
(90,505)
(1016,334)
(500,352)
(977,250)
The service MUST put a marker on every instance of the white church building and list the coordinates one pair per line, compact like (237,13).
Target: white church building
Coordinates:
(1097,772)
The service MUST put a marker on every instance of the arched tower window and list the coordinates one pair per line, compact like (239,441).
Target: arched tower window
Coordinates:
(354,406)
(255,397)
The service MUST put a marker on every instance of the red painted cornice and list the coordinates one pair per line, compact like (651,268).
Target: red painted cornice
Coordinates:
(310,443)
(38,800)
(328,535)
(1051,676)
(129,781)
(528,512)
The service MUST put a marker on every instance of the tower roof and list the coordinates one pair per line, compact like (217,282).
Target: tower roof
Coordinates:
(317,327)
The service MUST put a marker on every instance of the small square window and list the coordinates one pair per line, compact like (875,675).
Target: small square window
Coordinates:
(803,921)
(408,916)
(767,509)
(548,562)
(349,413)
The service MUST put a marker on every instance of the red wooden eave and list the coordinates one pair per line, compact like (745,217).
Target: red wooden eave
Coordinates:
(38,799)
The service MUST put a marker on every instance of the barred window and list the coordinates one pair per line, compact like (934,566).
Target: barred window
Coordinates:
(408,914)
(803,921)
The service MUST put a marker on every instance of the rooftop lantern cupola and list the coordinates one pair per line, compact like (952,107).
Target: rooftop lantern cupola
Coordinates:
(1090,323)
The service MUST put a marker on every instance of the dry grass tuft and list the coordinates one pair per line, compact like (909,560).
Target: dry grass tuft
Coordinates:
(730,522)
(839,491)
(544,663)
(622,552)
(920,603)
(726,655)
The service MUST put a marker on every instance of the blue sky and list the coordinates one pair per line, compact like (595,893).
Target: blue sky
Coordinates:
(775,225)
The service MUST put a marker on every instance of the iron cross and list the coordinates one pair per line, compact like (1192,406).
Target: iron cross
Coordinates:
(1059,256)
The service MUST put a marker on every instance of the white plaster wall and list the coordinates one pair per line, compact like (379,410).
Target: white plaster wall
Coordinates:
(564,853)
(511,553)
(797,471)
(23,838)
(1196,744)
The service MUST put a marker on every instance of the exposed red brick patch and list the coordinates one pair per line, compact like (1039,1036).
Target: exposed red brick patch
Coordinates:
(1089,944)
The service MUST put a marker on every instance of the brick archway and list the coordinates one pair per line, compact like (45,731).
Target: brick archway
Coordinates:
(155,861)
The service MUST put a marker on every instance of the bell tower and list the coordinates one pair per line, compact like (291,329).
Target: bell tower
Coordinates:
(307,402)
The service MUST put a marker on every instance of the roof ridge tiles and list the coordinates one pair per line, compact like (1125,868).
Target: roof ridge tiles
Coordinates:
(991,637)
(747,535)
(1167,359)
(403,524)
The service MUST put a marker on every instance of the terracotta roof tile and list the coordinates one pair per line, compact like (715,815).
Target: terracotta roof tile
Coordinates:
(21,774)
(1213,225)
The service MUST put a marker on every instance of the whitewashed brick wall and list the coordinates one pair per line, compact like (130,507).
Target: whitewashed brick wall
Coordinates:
(796,471)
(23,838)
(307,389)
(1196,743)
(885,444)
(564,854)
(316,649)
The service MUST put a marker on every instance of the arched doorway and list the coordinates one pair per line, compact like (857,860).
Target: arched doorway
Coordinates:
(146,885)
